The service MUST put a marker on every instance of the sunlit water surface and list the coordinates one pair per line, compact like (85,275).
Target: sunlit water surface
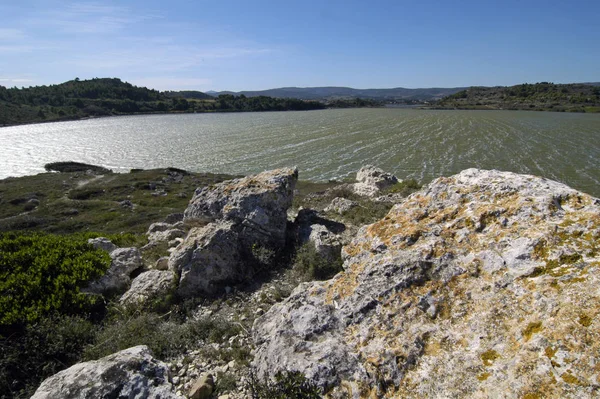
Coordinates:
(328,144)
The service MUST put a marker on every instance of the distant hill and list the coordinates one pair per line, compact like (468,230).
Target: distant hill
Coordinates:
(544,96)
(188,94)
(77,99)
(328,93)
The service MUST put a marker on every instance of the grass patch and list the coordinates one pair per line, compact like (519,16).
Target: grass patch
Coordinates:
(309,265)
(285,385)
(74,201)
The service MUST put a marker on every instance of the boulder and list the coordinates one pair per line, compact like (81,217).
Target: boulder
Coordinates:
(257,202)
(371,180)
(209,258)
(102,243)
(124,262)
(147,286)
(131,373)
(203,387)
(483,284)
(157,227)
(340,205)
(327,244)
(239,215)
(162,263)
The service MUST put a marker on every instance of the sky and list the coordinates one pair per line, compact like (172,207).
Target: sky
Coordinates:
(262,44)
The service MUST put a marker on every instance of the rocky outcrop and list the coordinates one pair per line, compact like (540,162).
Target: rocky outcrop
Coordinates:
(340,205)
(148,286)
(131,373)
(102,243)
(483,284)
(258,203)
(125,261)
(240,216)
(371,180)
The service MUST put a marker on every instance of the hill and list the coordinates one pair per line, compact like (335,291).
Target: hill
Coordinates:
(77,99)
(325,93)
(544,96)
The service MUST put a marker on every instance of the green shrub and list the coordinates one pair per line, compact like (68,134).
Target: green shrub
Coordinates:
(66,167)
(286,385)
(312,266)
(45,347)
(405,188)
(42,273)
(165,338)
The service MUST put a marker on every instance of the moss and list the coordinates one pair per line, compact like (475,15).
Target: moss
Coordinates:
(585,320)
(483,376)
(550,352)
(532,328)
(531,395)
(489,357)
(570,378)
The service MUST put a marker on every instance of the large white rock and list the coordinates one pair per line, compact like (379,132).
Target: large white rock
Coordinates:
(259,202)
(132,373)
(118,277)
(240,216)
(147,286)
(483,284)
(371,180)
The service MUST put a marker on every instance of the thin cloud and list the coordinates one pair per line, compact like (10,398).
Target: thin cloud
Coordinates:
(90,18)
(11,34)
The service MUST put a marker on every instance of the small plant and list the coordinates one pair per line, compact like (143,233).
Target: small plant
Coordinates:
(404,188)
(286,385)
(312,266)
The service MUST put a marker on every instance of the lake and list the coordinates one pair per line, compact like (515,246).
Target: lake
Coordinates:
(327,144)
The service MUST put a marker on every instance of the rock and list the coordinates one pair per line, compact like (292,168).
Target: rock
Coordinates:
(174,218)
(327,244)
(157,227)
(147,286)
(166,235)
(244,216)
(340,205)
(126,204)
(257,202)
(131,373)
(162,263)
(125,261)
(483,284)
(102,243)
(203,387)
(371,180)
(208,259)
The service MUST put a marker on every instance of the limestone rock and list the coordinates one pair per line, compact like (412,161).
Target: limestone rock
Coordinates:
(102,243)
(258,202)
(340,205)
(327,244)
(132,373)
(147,286)
(203,387)
(157,227)
(242,215)
(162,263)
(483,284)
(118,277)
(371,180)
(209,258)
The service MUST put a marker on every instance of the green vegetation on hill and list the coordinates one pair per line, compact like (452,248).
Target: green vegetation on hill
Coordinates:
(542,96)
(78,99)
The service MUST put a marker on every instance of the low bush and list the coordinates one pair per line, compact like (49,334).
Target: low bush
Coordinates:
(66,167)
(312,266)
(45,347)
(286,385)
(42,273)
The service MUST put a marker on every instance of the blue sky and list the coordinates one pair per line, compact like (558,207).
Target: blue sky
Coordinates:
(260,44)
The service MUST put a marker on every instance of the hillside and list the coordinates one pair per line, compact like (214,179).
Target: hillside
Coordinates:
(539,96)
(323,93)
(77,99)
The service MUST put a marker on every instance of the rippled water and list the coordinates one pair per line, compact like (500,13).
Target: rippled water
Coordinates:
(323,144)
